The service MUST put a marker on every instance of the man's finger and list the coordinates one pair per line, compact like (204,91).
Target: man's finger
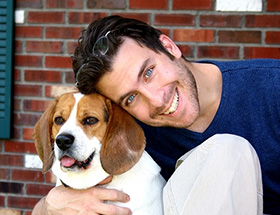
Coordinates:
(109,194)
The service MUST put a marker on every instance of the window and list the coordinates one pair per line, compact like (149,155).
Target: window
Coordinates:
(6,53)
(239,5)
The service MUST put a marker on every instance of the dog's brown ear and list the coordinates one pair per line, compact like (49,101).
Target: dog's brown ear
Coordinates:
(123,143)
(43,139)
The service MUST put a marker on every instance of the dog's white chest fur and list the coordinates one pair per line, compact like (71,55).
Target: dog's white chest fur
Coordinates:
(144,184)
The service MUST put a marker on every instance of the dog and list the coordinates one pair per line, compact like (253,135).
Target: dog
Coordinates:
(84,139)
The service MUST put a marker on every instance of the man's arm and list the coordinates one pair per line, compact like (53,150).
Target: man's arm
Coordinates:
(39,208)
(61,200)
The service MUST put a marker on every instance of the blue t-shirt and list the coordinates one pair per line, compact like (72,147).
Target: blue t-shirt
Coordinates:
(250,107)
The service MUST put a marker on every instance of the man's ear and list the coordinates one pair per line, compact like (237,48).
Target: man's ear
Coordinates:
(170,46)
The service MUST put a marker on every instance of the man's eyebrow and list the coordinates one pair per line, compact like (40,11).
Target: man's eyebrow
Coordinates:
(140,73)
(142,69)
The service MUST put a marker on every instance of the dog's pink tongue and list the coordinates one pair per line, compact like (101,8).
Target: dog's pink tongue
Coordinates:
(67,161)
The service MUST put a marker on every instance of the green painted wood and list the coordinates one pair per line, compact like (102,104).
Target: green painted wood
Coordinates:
(6,68)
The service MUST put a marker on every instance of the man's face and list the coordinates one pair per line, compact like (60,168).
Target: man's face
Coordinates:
(152,87)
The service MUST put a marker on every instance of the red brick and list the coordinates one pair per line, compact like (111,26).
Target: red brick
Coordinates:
(29,3)
(20,147)
(165,31)
(22,202)
(193,35)
(27,133)
(35,105)
(230,52)
(69,77)
(18,46)
(63,32)
(46,17)
(42,76)
(56,90)
(74,4)
(50,178)
(11,160)
(16,133)
(58,62)
(5,174)
(174,19)
(28,60)
(10,187)
(239,36)
(17,75)
(144,17)
(71,46)
(2,201)
(273,5)
(192,5)
(262,52)
(36,189)
(220,20)
(44,46)
(272,37)
(48,90)
(267,21)
(28,31)
(106,4)
(81,18)
(148,4)
(28,212)
(27,90)
(187,51)
(17,104)
(25,119)
(27,175)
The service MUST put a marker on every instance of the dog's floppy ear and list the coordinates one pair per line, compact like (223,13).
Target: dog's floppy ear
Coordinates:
(43,138)
(123,143)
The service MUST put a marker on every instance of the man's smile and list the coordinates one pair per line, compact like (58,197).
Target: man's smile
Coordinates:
(174,105)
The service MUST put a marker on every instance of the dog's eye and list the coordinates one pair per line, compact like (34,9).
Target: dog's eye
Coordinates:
(59,120)
(90,121)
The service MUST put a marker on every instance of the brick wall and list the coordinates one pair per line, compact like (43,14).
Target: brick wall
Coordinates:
(47,36)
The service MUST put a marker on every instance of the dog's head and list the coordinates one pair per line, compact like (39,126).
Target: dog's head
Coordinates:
(86,138)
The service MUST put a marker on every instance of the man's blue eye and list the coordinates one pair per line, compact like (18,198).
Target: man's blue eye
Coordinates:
(148,73)
(130,98)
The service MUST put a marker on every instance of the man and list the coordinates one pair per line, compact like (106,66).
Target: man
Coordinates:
(187,103)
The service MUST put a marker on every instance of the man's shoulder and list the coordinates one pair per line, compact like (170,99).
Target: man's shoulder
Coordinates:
(226,66)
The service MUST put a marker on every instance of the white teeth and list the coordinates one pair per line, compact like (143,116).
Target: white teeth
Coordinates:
(174,105)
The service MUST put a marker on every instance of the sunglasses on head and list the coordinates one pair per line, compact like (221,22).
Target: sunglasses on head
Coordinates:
(99,49)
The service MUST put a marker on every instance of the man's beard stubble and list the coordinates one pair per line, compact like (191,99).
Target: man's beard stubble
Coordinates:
(187,80)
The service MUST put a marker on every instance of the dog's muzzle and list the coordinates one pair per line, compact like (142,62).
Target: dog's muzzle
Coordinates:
(64,141)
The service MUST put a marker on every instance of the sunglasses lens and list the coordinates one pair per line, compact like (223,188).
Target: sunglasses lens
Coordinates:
(101,46)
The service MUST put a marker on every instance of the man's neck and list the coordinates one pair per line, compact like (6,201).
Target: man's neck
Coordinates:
(209,85)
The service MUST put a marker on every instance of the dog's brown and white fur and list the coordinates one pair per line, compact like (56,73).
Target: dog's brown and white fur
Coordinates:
(86,138)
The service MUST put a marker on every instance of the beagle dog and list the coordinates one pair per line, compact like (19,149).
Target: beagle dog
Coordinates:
(86,138)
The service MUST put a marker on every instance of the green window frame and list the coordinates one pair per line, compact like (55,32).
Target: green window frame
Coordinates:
(6,56)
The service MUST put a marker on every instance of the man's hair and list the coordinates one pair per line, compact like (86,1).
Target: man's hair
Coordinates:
(89,68)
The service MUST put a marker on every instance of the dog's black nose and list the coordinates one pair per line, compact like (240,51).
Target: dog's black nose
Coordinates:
(64,141)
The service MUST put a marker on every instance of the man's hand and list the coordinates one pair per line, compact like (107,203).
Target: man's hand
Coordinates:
(61,201)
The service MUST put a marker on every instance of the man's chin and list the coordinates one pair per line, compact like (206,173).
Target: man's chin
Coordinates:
(167,124)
